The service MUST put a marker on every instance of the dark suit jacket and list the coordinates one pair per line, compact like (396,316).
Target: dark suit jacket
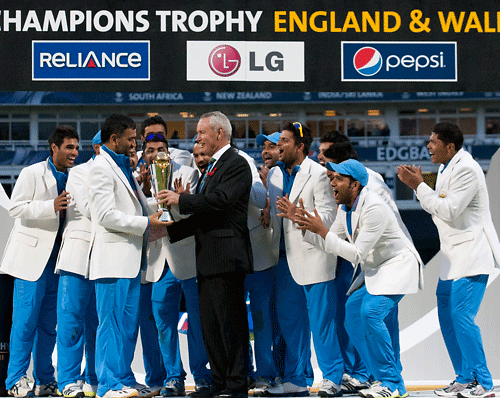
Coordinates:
(219,218)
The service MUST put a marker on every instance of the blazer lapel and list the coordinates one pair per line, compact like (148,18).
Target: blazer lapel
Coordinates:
(116,169)
(50,180)
(300,181)
(356,212)
(226,156)
(444,176)
(276,181)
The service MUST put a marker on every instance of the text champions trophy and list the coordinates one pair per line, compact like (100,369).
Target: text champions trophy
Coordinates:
(161,173)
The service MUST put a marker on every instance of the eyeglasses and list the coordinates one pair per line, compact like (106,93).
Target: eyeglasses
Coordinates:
(152,136)
(298,126)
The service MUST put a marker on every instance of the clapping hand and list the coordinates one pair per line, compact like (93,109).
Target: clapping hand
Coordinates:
(307,222)
(178,187)
(410,175)
(287,208)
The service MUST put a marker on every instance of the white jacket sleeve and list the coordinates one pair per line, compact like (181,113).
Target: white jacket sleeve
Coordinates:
(449,206)
(77,188)
(22,202)
(373,225)
(103,205)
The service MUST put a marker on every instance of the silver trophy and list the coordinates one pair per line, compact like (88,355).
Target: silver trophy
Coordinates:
(161,173)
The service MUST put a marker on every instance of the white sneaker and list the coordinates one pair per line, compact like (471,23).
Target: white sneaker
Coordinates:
(376,383)
(451,390)
(73,390)
(143,391)
(260,386)
(90,390)
(125,392)
(380,391)
(23,388)
(328,388)
(287,389)
(476,391)
(47,390)
(351,385)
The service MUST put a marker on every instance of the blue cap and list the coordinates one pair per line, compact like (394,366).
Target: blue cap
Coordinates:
(274,138)
(97,139)
(351,168)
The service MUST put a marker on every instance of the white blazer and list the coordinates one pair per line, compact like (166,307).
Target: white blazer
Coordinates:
(260,238)
(181,255)
(308,264)
(377,184)
(118,224)
(73,255)
(36,223)
(388,259)
(460,209)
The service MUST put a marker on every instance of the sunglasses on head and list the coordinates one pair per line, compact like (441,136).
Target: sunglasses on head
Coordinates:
(152,136)
(298,126)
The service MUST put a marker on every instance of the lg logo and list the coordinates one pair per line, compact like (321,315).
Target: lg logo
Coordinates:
(245,61)
(274,62)
(225,61)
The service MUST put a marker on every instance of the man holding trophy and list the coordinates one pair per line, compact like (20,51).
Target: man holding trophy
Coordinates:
(172,269)
(120,227)
(218,221)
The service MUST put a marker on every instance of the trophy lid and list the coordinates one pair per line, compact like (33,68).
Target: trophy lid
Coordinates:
(162,156)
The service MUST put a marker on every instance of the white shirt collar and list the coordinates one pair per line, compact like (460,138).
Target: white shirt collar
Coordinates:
(220,152)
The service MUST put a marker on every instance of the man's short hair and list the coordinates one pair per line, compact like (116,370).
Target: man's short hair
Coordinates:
(301,135)
(151,121)
(115,124)
(333,137)
(60,133)
(218,120)
(449,133)
(341,151)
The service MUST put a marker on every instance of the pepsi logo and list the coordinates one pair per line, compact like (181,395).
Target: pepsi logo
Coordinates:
(224,60)
(367,61)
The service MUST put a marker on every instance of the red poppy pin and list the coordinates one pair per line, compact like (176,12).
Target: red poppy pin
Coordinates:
(211,172)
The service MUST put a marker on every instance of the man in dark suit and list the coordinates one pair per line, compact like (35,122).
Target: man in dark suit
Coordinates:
(223,253)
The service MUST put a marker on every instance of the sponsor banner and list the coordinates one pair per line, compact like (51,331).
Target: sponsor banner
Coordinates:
(85,98)
(251,61)
(90,60)
(266,47)
(399,61)
(416,153)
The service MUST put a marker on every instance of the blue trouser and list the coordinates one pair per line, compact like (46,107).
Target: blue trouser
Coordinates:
(34,319)
(76,328)
(151,354)
(458,303)
(260,286)
(166,297)
(118,311)
(353,365)
(377,340)
(302,310)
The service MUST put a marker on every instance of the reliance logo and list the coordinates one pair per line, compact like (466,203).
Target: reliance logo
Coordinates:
(91,60)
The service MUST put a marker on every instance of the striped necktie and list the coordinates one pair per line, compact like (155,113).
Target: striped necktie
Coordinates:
(208,170)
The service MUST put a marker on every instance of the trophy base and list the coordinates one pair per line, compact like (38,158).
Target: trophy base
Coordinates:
(166,216)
